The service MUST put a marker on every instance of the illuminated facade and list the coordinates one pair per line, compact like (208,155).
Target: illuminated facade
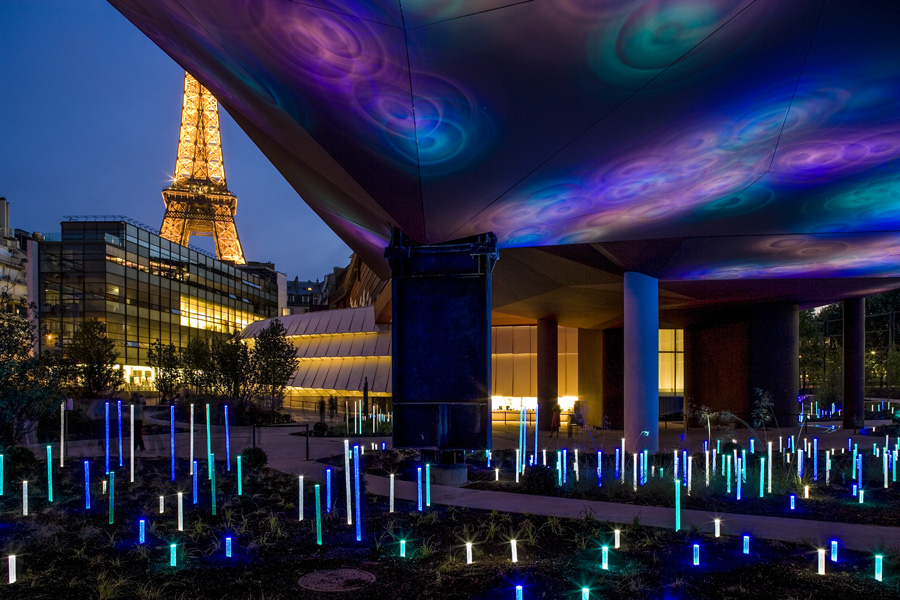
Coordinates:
(143,287)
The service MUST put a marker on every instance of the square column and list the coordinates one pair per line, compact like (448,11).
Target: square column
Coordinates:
(547,370)
(854,415)
(641,363)
(441,342)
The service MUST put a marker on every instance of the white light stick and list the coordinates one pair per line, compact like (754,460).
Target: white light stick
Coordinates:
(515,555)
(62,433)
(623,460)
(769,465)
(131,444)
(162,504)
(24,498)
(392,493)
(821,561)
(618,538)
(191,463)
(690,473)
(300,497)
(347,480)
(706,454)
(718,523)
(468,553)
(12,568)
(180,512)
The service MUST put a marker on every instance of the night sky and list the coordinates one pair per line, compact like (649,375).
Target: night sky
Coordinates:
(89,118)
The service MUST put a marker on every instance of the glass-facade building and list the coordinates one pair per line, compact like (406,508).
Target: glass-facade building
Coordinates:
(143,287)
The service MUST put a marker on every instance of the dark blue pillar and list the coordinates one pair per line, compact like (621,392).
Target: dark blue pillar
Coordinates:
(441,336)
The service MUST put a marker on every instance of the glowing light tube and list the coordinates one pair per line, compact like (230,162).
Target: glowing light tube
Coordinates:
(300,498)
(762,476)
(119,412)
(180,511)
(208,444)
(112,494)
(419,486)
(356,494)
(392,494)
(769,467)
(718,523)
(696,554)
(173,555)
(677,505)
(604,564)
(468,553)
(793,502)
(328,490)
(142,531)
(599,468)
(239,478)
(488,455)
(191,457)
(1,474)
(106,422)
(428,484)
(12,568)
(821,561)
(172,439)
(194,480)
(515,554)
(131,444)
(879,564)
(518,592)
(834,551)
(518,459)
(403,548)
(87,485)
(24,498)
(746,544)
(618,538)
(162,504)
(49,473)
(318,515)
(347,478)
(228,547)
(212,483)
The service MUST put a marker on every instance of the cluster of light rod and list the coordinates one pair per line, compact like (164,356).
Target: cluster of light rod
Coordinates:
(112,495)
(347,477)
(172,439)
(514,551)
(227,443)
(119,413)
(49,473)
(300,498)
(356,493)
(318,515)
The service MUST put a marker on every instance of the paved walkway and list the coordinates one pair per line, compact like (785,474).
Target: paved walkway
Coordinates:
(287,453)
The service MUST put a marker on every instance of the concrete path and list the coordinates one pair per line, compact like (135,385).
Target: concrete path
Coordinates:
(287,453)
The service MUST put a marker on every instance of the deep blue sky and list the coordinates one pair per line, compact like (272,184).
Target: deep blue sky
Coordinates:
(89,118)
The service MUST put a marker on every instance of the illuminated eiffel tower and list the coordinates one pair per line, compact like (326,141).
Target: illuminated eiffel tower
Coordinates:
(198,201)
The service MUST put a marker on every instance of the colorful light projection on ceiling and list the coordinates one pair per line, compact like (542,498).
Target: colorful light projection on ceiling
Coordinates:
(571,121)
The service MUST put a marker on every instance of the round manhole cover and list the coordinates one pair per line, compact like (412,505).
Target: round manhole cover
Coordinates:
(336,580)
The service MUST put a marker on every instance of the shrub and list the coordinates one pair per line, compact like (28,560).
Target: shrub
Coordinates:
(20,463)
(320,428)
(539,481)
(254,458)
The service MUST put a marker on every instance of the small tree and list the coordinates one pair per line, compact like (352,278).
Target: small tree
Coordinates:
(274,361)
(196,362)
(92,361)
(231,369)
(762,408)
(29,387)
(167,361)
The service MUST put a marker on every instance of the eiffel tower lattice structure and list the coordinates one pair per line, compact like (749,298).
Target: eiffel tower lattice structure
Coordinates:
(198,201)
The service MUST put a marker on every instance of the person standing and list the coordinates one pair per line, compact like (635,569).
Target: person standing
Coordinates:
(554,421)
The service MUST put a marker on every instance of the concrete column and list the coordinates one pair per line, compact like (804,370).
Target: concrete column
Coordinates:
(641,362)
(441,342)
(774,353)
(547,370)
(590,375)
(854,363)
(613,342)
